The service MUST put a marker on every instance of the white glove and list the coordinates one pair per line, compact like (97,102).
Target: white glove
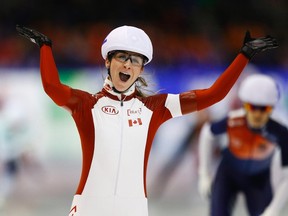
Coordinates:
(204,186)
(205,153)
(269,212)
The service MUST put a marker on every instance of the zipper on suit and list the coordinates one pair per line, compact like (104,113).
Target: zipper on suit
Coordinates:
(121,146)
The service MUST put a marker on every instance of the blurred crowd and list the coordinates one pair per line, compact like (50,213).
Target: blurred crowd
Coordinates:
(192,32)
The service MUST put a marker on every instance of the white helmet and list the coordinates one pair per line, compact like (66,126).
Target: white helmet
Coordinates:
(128,38)
(259,89)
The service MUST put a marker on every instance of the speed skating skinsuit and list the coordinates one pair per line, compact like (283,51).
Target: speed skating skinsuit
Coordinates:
(116,133)
(245,163)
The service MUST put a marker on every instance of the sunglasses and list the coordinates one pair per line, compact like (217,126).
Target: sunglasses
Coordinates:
(251,107)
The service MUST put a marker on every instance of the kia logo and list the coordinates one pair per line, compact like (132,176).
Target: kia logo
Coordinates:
(111,110)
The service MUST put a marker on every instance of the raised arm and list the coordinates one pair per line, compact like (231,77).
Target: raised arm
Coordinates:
(207,97)
(52,85)
(58,92)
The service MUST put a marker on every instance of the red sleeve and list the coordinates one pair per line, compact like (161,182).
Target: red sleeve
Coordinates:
(58,92)
(207,97)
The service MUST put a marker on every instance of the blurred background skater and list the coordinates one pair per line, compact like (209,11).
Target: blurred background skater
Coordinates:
(19,159)
(185,142)
(248,137)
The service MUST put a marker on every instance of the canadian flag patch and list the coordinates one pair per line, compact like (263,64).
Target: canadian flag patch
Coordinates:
(133,122)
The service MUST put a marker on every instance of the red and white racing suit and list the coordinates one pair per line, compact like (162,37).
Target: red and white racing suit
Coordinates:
(116,133)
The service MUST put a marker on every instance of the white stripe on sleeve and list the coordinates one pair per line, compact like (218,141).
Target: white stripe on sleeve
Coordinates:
(173,104)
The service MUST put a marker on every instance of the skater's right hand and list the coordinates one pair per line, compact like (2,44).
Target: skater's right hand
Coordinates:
(34,36)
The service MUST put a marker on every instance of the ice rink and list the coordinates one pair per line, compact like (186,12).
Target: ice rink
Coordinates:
(50,193)
(47,188)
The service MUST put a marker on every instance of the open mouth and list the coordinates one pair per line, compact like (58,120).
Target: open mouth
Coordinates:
(124,77)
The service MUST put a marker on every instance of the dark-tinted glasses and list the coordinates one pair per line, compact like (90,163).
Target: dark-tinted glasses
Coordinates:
(252,107)
(135,59)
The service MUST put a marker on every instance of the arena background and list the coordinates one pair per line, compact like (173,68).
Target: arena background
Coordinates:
(194,41)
